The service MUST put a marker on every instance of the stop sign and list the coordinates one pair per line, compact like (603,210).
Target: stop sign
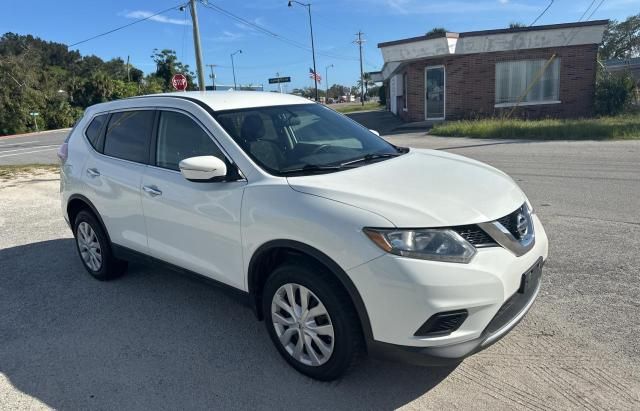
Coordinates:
(179,82)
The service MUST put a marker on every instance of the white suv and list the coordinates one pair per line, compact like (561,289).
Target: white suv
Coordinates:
(341,242)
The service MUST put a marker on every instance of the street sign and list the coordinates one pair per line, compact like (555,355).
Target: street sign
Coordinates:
(277,80)
(179,82)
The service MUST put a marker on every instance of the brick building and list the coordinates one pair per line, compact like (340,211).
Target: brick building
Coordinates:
(484,73)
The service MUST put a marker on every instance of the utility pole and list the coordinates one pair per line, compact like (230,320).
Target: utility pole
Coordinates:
(196,43)
(279,84)
(359,43)
(128,75)
(213,76)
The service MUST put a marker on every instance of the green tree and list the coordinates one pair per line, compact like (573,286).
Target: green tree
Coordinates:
(167,64)
(437,30)
(621,39)
(516,25)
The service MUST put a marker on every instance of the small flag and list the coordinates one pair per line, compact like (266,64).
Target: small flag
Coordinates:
(314,75)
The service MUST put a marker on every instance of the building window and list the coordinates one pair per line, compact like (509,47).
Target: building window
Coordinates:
(513,78)
(405,92)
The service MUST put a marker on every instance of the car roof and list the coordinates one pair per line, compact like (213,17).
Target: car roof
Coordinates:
(233,100)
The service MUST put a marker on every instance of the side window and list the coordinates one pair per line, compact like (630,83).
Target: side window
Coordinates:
(128,135)
(95,128)
(180,137)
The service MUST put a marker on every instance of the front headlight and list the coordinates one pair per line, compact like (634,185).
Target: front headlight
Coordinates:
(439,244)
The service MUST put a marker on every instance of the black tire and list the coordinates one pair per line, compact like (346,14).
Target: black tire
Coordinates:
(348,341)
(110,266)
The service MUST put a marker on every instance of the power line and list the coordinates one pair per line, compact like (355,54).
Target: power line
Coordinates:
(587,10)
(542,14)
(596,9)
(268,32)
(126,25)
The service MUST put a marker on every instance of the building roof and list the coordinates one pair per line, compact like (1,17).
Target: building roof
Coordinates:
(494,31)
(397,53)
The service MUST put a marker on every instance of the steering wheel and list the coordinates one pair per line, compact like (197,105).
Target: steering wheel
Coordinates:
(320,148)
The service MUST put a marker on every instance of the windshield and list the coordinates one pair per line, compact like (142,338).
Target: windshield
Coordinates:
(303,138)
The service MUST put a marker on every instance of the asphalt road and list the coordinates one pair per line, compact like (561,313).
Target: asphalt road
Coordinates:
(156,340)
(32,148)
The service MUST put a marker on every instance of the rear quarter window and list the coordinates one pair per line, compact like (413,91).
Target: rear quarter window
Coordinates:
(94,129)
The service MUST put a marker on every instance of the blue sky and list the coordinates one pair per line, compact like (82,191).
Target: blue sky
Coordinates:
(335,25)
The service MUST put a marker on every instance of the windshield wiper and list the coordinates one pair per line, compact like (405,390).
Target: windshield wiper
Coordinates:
(311,168)
(369,157)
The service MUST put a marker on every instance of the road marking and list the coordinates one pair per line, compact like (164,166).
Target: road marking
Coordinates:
(28,148)
(16,143)
(27,152)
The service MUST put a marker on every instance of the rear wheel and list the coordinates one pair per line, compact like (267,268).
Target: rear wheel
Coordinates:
(94,248)
(310,320)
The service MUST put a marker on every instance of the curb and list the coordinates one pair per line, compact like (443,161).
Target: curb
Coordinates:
(33,133)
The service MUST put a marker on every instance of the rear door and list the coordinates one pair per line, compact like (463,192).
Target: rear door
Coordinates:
(194,225)
(114,174)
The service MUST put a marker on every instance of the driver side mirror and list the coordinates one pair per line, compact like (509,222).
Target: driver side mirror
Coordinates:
(375,132)
(202,168)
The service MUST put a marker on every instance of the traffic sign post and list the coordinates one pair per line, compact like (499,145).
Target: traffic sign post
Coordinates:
(179,82)
(34,114)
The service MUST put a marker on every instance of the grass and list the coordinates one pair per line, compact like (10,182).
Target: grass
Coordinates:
(349,108)
(10,171)
(625,127)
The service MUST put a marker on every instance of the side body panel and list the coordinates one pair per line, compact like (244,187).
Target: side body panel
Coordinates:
(195,225)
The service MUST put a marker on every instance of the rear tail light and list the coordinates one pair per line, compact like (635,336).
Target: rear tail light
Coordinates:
(63,152)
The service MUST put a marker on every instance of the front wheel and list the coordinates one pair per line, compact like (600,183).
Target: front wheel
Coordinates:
(310,320)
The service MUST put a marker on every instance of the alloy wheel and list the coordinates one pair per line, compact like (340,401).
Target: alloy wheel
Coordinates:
(89,246)
(302,324)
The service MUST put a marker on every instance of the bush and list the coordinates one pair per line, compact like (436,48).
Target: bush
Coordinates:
(614,93)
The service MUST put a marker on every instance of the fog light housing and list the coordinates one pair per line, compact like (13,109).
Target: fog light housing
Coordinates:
(441,324)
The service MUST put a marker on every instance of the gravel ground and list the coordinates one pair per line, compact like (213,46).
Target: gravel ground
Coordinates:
(157,340)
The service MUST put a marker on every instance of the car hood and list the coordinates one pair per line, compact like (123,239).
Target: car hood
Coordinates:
(423,188)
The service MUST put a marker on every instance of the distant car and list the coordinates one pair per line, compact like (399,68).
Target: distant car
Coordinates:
(331,100)
(343,99)
(342,242)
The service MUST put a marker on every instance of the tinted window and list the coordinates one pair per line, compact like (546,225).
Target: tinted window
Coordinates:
(128,135)
(180,137)
(94,129)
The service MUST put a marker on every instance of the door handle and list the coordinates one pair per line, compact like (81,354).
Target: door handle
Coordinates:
(152,191)
(93,172)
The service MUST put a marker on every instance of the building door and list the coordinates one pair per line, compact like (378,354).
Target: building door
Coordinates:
(434,93)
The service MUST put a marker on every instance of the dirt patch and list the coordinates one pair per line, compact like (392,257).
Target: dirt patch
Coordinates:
(12,174)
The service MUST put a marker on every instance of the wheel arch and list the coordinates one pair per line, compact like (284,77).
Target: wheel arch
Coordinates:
(272,253)
(77,203)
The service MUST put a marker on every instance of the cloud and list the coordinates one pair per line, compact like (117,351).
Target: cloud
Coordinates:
(259,21)
(141,14)
(227,37)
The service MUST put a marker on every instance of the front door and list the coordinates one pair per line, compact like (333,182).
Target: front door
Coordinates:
(194,225)
(434,93)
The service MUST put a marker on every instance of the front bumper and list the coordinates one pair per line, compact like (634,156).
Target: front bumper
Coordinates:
(400,294)
(508,316)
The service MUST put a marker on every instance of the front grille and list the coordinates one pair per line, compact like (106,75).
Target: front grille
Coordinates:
(510,222)
(475,235)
